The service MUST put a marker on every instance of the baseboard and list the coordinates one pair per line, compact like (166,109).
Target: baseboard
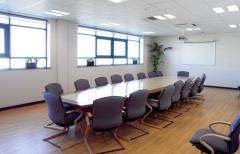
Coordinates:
(222,87)
(21,105)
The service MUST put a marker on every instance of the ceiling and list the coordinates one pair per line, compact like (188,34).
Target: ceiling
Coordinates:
(132,14)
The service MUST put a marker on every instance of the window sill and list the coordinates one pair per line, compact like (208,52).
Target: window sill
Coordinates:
(23,69)
(108,65)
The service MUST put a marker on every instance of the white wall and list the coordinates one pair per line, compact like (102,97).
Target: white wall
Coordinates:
(24,86)
(226,71)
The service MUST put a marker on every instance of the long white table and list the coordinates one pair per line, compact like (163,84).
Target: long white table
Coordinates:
(85,98)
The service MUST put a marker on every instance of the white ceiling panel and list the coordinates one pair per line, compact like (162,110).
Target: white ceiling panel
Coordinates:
(132,14)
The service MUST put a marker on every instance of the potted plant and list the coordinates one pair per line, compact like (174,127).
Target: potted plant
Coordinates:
(31,63)
(90,62)
(135,61)
(156,54)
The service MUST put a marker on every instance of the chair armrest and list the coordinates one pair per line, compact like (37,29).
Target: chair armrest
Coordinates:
(153,100)
(71,111)
(204,143)
(217,123)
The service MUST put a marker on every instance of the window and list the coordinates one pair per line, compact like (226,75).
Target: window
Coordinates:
(108,48)
(22,38)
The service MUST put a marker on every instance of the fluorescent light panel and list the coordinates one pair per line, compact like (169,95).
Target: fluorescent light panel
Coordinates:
(117,1)
(169,16)
(233,26)
(232,8)
(160,17)
(189,29)
(53,14)
(148,32)
(218,10)
(60,12)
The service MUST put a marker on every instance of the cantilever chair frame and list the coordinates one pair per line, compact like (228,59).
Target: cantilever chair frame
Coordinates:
(88,116)
(63,131)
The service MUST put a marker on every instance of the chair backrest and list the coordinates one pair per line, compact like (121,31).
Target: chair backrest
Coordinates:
(54,88)
(165,97)
(141,75)
(195,86)
(116,78)
(107,113)
(81,84)
(177,91)
(128,77)
(183,73)
(203,78)
(136,104)
(56,110)
(233,134)
(152,74)
(186,89)
(101,81)
(159,74)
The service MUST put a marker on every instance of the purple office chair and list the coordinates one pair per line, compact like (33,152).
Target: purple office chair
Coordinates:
(81,84)
(101,81)
(106,116)
(59,116)
(209,140)
(128,77)
(116,78)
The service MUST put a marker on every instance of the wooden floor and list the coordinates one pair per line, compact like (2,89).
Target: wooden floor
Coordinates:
(21,130)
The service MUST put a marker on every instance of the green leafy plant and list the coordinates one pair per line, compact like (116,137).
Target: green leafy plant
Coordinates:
(156,54)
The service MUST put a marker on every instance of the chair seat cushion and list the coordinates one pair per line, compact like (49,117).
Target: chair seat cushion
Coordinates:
(68,106)
(71,117)
(219,145)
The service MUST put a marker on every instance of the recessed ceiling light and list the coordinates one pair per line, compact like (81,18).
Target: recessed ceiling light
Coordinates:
(160,17)
(218,10)
(117,1)
(169,16)
(148,33)
(114,24)
(60,12)
(197,28)
(232,8)
(106,24)
(189,29)
(233,26)
(53,14)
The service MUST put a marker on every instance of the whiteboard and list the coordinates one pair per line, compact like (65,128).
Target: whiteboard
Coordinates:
(199,53)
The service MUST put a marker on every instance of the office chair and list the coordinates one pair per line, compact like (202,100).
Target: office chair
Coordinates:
(141,75)
(81,84)
(135,109)
(56,89)
(128,77)
(59,116)
(159,73)
(106,116)
(116,78)
(209,140)
(183,73)
(163,103)
(152,74)
(101,81)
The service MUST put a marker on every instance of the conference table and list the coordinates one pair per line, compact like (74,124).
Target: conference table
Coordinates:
(85,98)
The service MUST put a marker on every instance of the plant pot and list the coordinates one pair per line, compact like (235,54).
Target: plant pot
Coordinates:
(31,65)
(135,61)
(90,63)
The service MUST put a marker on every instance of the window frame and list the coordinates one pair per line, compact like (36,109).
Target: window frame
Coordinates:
(112,39)
(6,28)
(8,41)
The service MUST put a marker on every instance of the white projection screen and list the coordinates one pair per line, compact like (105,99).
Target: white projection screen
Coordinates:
(199,53)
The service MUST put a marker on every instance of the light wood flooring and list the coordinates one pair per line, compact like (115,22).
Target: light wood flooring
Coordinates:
(21,129)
